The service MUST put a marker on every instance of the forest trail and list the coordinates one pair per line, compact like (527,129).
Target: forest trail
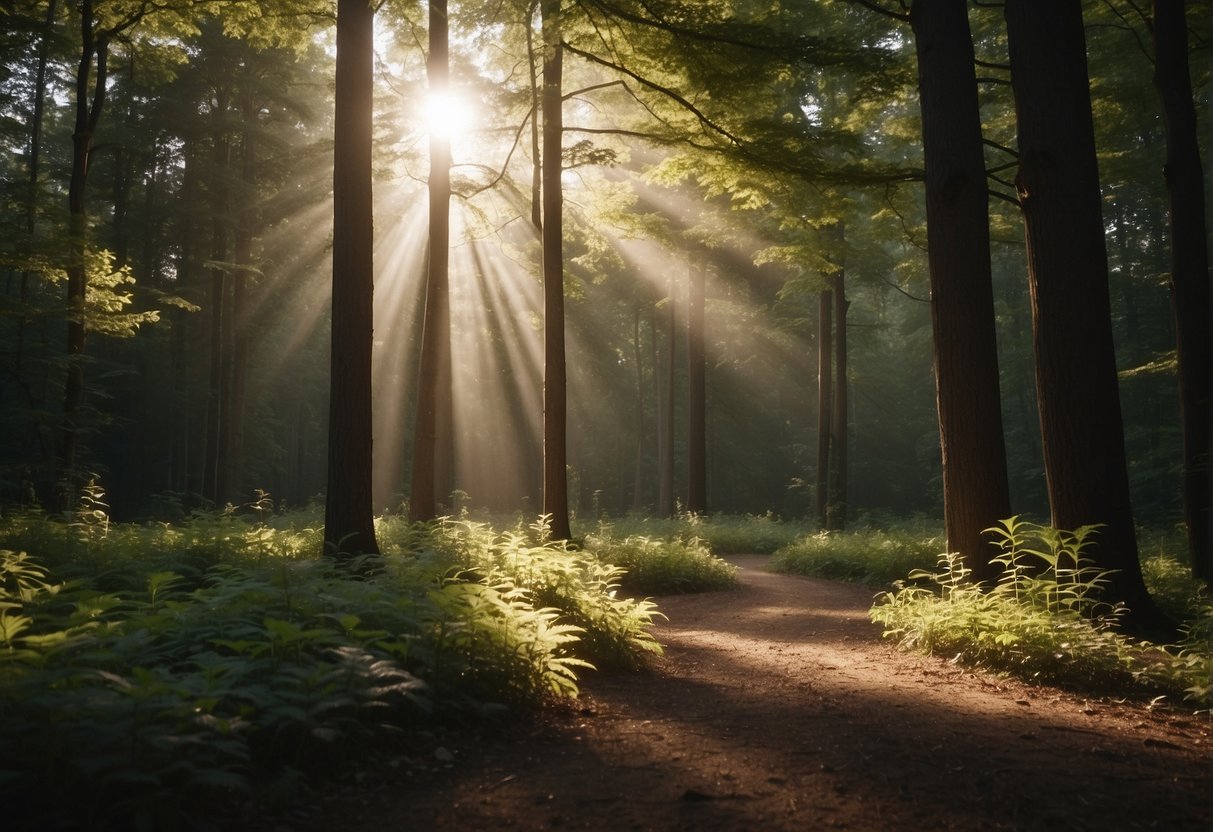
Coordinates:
(778,707)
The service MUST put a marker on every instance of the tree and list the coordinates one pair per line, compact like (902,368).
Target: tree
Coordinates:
(697,486)
(555,383)
(1058,186)
(825,397)
(349,527)
(1189,274)
(665,425)
(99,29)
(836,512)
(975,486)
(433,384)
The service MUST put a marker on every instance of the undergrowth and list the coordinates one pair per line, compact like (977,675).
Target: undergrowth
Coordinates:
(1045,621)
(662,567)
(867,556)
(151,673)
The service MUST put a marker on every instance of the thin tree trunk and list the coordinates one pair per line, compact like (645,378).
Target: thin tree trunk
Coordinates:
(836,514)
(1058,185)
(697,489)
(825,345)
(1189,274)
(179,358)
(666,508)
(638,474)
(972,444)
(214,483)
(435,328)
(349,519)
(241,336)
(94,49)
(555,404)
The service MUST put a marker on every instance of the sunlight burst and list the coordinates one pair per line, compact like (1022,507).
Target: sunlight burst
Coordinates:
(447,114)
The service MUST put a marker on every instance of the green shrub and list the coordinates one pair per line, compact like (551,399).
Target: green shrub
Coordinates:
(662,567)
(150,672)
(871,557)
(723,534)
(1043,621)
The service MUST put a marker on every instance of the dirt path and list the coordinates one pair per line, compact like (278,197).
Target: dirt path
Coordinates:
(777,707)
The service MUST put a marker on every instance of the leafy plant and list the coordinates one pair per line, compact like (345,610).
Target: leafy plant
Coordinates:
(871,557)
(662,566)
(1044,620)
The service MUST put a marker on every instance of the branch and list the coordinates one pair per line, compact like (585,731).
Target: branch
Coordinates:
(1003,197)
(904,292)
(504,165)
(905,228)
(991,143)
(1128,26)
(879,9)
(702,117)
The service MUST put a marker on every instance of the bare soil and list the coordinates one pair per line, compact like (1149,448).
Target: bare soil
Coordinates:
(777,706)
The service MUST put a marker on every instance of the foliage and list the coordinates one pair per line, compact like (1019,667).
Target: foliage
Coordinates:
(613,630)
(146,671)
(866,556)
(1042,621)
(662,566)
(722,534)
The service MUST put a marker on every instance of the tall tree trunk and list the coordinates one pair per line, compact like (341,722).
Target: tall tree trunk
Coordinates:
(94,49)
(435,328)
(214,483)
(825,368)
(180,410)
(1189,273)
(555,403)
(349,515)
(697,485)
(1058,185)
(242,250)
(638,472)
(976,493)
(666,496)
(836,514)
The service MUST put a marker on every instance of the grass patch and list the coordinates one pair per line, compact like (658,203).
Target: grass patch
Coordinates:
(662,567)
(722,534)
(876,558)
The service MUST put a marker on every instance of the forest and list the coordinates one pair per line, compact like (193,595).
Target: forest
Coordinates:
(418,344)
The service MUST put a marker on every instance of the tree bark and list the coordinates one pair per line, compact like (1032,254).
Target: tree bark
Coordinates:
(1058,186)
(825,346)
(697,485)
(242,250)
(1190,291)
(555,404)
(976,493)
(666,495)
(836,519)
(349,522)
(214,483)
(436,326)
(638,471)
